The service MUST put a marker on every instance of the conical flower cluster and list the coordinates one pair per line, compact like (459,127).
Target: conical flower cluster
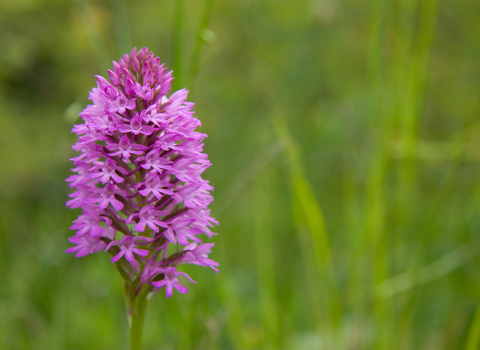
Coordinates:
(138,176)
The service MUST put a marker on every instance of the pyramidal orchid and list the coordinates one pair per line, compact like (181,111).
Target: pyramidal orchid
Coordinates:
(138,182)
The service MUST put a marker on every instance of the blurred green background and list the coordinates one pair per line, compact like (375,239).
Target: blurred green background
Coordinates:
(345,142)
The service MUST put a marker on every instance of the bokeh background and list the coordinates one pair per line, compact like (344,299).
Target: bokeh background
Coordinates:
(345,142)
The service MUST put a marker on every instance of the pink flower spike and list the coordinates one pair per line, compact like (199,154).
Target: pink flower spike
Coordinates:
(138,175)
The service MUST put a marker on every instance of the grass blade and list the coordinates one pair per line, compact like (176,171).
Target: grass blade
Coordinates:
(199,42)
(178,45)
(309,216)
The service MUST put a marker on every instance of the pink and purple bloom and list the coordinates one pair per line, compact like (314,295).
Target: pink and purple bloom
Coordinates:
(138,176)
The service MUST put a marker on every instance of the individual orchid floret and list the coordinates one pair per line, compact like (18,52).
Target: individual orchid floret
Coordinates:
(171,280)
(125,148)
(81,197)
(108,195)
(89,224)
(138,178)
(136,127)
(153,161)
(86,244)
(108,171)
(154,185)
(148,215)
(144,92)
(127,248)
(83,174)
(181,228)
(121,104)
(199,255)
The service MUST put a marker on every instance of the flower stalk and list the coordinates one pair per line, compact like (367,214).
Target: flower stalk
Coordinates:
(138,318)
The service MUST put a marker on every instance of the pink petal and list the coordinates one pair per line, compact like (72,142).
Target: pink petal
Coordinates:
(169,290)
(118,256)
(129,255)
(180,288)
(140,226)
(141,252)
(116,204)
(159,284)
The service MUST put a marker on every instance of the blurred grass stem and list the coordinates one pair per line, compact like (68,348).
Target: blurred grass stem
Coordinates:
(199,42)
(263,240)
(309,217)
(375,204)
(178,44)
(473,340)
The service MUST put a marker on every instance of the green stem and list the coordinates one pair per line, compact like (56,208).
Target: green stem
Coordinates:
(137,317)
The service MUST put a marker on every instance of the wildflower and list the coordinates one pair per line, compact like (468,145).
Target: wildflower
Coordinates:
(138,176)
